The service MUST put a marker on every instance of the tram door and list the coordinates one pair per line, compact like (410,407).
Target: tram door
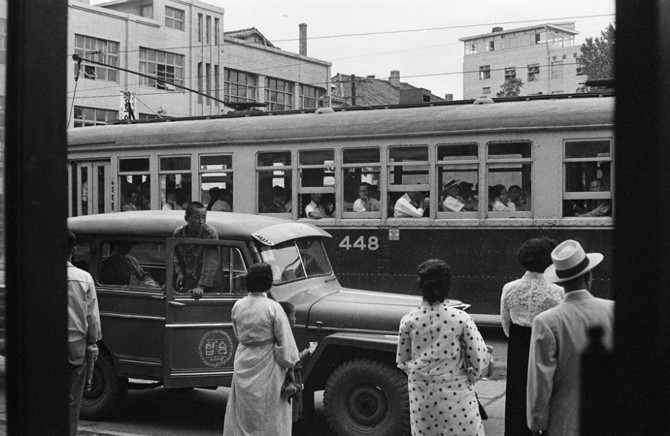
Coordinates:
(89,187)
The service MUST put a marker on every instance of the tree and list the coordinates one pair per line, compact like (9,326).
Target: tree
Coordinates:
(597,58)
(511,88)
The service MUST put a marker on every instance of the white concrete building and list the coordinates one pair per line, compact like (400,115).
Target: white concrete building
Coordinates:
(543,56)
(176,43)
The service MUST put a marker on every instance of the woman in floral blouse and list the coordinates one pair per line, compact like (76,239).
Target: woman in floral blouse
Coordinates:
(443,354)
(520,302)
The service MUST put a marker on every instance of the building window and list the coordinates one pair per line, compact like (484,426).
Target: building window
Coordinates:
(588,178)
(492,46)
(239,86)
(199,27)
(278,94)
(581,70)
(147,11)
(533,72)
(510,73)
(208,30)
(98,50)
(217,29)
(208,82)
(174,18)
(275,185)
(90,116)
(217,83)
(3,41)
(167,67)
(486,90)
(309,96)
(200,82)
(485,72)
(509,166)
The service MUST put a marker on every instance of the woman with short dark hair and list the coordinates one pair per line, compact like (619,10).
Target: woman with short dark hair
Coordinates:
(265,352)
(443,354)
(520,302)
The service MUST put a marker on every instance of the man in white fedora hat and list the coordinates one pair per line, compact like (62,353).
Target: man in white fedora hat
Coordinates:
(558,339)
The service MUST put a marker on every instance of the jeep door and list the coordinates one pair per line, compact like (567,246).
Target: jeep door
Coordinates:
(199,340)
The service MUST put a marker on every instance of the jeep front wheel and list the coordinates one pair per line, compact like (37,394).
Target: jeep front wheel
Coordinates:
(365,397)
(108,392)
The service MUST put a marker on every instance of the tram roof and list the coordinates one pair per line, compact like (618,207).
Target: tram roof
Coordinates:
(156,223)
(498,116)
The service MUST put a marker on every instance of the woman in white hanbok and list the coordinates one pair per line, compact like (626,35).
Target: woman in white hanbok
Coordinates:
(266,350)
(443,354)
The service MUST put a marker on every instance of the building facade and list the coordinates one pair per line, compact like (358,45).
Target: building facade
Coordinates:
(543,56)
(173,44)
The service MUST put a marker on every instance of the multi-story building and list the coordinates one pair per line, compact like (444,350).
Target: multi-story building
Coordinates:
(173,44)
(543,56)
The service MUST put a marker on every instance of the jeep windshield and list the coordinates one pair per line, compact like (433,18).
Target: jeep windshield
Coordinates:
(296,260)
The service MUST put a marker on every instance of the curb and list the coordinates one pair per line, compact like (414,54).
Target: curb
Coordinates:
(80,431)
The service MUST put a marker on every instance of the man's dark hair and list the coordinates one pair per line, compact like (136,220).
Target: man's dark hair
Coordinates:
(289,308)
(71,242)
(434,280)
(192,206)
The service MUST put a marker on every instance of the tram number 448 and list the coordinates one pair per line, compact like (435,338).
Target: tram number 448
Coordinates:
(360,243)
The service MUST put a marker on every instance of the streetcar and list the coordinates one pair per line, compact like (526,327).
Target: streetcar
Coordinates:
(522,168)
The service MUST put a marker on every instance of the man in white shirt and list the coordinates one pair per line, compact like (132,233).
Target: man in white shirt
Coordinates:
(83,329)
(409,205)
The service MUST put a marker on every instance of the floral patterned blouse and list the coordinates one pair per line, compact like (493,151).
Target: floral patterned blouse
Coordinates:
(523,299)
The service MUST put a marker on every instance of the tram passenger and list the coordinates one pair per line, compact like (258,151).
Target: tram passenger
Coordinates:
(444,355)
(195,266)
(171,202)
(220,200)
(599,207)
(280,202)
(453,200)
(498,199)
(518,197)
(365,201)
(321,206)
(133,201)
(410,205)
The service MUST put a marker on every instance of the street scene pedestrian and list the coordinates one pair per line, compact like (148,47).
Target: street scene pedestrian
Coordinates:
(444,355)
(521,301)
(266,351)
(83,330)
(559,336)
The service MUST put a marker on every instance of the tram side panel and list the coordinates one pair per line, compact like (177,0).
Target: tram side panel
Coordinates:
(482,259)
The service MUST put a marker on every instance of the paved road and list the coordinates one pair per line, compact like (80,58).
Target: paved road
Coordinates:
(199,412)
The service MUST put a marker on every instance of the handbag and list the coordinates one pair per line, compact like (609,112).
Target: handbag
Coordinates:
(482,411)
(290,388)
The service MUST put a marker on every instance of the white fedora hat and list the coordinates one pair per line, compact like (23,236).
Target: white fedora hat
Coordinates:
(570,261)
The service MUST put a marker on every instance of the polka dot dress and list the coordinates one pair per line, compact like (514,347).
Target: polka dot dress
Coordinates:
(444,355)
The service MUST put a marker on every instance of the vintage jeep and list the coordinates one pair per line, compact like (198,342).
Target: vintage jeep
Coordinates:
(155,335)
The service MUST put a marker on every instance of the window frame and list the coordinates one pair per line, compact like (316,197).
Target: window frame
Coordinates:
(230,174)
(148,66)
(290,169)
(273,91)
(533,72)
(175,19)
(505,163)
(249,86)
(457,164)
(484,72)
(99,50)
(304,190)
(367,165)
(85,122)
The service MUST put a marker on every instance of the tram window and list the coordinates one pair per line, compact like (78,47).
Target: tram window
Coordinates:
(216,182)
(275,182)
(135,192)
(133,263)
(588,176)
(509,169)
(175,181)
(317,183)
(361,175)
(408,180)
(458,179)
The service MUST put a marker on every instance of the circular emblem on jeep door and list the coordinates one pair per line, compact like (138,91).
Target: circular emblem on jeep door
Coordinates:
(216,348)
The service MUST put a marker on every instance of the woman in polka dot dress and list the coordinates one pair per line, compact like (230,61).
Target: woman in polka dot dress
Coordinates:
(443,354)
